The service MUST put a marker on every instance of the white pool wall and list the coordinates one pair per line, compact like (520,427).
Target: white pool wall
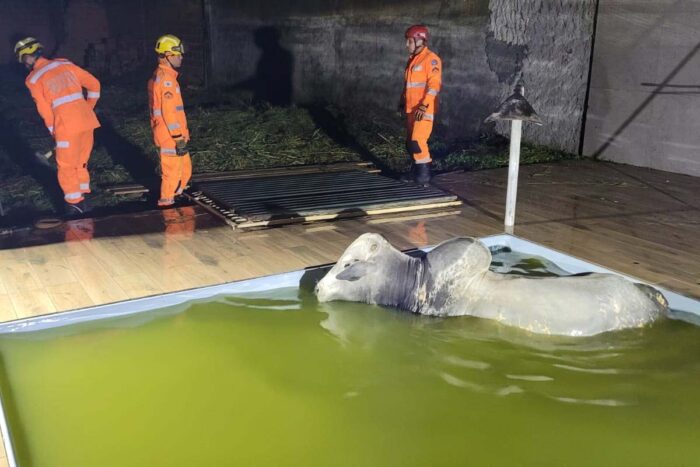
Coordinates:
(679,303)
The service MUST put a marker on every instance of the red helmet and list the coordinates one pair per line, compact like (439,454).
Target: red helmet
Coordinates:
(418,31)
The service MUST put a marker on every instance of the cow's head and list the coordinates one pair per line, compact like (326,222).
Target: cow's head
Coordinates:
(363,271)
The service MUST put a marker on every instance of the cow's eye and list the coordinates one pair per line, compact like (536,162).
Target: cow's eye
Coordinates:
(373,247)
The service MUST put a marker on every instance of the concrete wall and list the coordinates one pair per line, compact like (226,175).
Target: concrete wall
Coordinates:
(111,38)
(20,18)
(340,51)
(645,87)
(352,52)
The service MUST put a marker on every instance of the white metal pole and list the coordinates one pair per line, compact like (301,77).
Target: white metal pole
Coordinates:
(516,131)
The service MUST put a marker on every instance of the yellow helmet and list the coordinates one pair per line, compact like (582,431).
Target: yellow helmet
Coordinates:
(27,46)
(169,44)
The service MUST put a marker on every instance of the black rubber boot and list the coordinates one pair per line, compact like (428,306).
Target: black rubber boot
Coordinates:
(423,174)
(73,210)
(87,206)
(80,209)
(410,175)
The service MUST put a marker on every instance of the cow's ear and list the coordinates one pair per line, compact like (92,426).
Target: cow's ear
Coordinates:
(354,272)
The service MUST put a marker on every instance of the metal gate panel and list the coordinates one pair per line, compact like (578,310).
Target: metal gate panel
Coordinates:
(273,200)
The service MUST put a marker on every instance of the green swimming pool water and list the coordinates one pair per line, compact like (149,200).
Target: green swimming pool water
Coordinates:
(278,379)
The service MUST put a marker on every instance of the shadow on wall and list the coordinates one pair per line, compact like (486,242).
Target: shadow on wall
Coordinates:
(124,152)
(272,82)
(335,126)
(664,87)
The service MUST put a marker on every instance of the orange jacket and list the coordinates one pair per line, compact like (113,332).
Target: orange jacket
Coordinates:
(168,120)
(423,80)
(57,88)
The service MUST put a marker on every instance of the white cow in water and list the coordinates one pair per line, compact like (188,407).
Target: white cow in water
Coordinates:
(454,280)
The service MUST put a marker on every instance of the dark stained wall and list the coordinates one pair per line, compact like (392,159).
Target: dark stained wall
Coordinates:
(114,39)
(352,52)
(20,18)
(340,51)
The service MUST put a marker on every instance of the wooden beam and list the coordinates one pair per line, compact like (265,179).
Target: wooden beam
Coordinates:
(346,215)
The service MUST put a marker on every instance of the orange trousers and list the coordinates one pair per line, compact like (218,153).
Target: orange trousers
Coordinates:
(417,134)
(175,175)
(72,155)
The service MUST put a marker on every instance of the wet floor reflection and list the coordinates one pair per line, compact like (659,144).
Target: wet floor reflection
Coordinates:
(183,221)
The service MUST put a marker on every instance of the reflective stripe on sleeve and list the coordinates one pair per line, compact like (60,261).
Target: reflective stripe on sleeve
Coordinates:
(168,151)
(433,92)
(173,126)
(71,196)
(180,108)
(157,113)
(93,94)
(62,144)
(428,117)
(415,84)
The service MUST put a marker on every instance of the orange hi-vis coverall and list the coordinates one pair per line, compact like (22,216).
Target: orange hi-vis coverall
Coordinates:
(169,125)
(57,88)
(423,79)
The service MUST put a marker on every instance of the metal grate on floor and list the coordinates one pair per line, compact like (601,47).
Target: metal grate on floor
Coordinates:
(307,197)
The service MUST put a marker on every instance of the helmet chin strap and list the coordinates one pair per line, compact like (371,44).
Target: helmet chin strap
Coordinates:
(419,48)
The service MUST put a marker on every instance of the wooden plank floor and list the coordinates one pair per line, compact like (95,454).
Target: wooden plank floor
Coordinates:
(641,222)
(638,221)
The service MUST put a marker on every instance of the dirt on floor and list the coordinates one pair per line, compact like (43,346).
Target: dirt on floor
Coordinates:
(228,131)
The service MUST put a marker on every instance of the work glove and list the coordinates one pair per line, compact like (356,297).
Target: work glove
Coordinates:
(420,112)
(181,147)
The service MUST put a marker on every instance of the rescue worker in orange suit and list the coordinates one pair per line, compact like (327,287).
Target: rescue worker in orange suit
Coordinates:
(57,88)
(168,121)
(422,82)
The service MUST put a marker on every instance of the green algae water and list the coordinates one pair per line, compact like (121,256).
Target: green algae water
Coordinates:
(278,379)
